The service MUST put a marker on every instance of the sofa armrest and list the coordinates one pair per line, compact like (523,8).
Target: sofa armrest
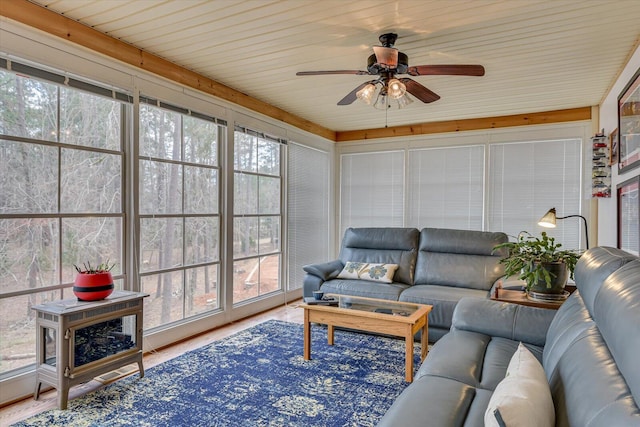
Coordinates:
(500,319)
(325,271)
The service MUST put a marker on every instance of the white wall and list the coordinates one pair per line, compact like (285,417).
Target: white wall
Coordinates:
(607,208)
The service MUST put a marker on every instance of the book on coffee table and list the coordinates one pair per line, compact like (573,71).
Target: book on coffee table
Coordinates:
(324,301)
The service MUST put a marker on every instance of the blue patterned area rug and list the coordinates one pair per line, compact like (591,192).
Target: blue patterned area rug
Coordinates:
(256,377)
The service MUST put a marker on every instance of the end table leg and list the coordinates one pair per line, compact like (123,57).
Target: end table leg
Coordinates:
(307,336)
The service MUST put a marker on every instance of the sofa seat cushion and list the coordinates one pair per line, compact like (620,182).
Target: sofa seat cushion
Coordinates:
(485,359)
(442,298)
(431,401)
(471,363)
(523,397)
(364,288)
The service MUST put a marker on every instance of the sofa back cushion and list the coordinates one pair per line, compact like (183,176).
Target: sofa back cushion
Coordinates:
(594,266)
(383,245)
(460,258)
(617,314)
(591,352)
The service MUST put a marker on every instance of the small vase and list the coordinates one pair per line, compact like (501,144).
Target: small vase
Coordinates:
(93,286)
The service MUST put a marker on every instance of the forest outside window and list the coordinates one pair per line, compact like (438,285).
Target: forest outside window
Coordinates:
(179,213)
(257,216)
(61,180)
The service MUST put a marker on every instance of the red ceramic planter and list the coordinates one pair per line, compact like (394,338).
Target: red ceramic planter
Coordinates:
(93,287)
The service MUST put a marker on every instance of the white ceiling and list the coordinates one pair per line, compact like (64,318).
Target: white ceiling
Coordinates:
(539,55)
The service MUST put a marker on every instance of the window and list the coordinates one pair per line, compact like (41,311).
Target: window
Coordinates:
(179,213)
(371,190)
(257,215)
(308,210)
(527,179)
(446,187)
(61,181)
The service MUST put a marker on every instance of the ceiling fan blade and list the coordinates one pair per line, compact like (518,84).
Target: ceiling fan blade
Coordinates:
(386,56)
(319,73)
(446,70)
(351,96)
(419,91)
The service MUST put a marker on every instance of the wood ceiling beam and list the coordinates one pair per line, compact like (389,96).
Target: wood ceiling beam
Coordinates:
(556,116)
(53,23)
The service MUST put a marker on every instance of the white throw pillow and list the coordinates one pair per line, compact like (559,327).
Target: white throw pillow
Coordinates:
(523,397)
(368,271)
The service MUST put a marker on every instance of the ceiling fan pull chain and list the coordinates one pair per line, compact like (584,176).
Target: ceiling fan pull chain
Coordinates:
(386,114)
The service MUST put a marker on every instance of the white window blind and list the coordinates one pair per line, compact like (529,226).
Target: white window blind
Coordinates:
(445,187)
(308,210)
(526,179)
(371,190)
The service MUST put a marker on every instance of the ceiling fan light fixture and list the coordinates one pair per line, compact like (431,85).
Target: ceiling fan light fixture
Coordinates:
(403,101)
(367,93)
(382,101)
(396,89)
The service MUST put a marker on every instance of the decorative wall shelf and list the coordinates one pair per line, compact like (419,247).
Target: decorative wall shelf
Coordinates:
(601,170)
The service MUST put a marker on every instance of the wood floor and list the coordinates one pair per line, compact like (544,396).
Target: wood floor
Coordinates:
(18,411)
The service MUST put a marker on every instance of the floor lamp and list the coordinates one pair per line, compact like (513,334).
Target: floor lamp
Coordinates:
(549,221)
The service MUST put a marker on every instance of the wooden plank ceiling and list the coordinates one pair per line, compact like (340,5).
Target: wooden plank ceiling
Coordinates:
(539,55)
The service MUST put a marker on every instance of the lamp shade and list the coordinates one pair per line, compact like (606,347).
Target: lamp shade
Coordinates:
(396,89)
(549,219)
(382,102)
(404,101)
(367,93)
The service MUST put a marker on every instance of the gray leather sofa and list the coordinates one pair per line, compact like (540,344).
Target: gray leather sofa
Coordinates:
(589,349)
(435,266)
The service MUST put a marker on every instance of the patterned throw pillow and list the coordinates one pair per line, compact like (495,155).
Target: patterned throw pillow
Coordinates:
(351,270)
(368,271)
(379,272)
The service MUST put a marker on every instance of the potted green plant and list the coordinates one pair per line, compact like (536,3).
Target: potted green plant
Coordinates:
(540,262)
(93,283)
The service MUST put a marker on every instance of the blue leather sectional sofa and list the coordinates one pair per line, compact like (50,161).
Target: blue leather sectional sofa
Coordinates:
(589,350)
(435,266)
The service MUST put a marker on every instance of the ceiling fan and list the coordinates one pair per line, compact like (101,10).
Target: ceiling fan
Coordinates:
(386,62)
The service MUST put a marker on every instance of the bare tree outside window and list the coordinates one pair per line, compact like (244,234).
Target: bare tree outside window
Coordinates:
(179,214)
(61,162)
(257,216)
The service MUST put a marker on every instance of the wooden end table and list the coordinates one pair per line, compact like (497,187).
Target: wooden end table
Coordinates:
(372,315)
(516,296)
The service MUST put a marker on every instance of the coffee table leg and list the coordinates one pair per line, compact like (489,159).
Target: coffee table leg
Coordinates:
(307,336)
(330,334)
(424,341)
(408,356)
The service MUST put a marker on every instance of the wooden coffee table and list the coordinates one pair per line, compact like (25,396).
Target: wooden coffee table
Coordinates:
(394,318)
